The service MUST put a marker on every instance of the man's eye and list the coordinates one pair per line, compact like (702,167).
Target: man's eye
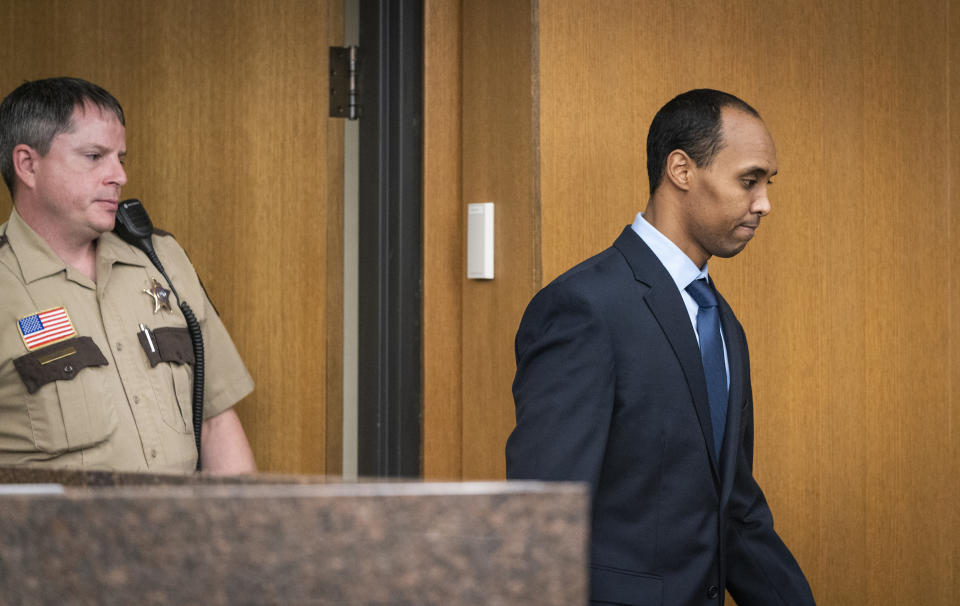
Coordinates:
(94,156)
(748,183)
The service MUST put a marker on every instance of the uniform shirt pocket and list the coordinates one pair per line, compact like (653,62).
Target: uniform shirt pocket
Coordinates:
(182,417)
(170,348)
(64,399)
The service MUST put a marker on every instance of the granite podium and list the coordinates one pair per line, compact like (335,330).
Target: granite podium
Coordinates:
(71,537)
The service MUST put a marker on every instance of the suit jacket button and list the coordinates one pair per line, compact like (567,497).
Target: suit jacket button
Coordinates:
(713,592)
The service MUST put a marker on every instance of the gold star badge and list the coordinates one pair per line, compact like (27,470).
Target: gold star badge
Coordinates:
(161,297)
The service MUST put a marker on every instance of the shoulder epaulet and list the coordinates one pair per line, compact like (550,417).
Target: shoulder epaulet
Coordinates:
(161,233)
(215,310)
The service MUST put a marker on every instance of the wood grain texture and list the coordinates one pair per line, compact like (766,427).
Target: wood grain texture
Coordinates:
(443,246)
(951,425)
(231,150)
(500,166)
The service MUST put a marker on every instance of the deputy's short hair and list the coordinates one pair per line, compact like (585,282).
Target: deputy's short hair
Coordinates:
(36,112)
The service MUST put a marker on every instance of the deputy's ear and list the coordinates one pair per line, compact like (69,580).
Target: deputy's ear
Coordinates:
(25,164)
(679,169)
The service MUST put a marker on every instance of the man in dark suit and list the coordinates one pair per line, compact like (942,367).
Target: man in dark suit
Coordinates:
(633,375)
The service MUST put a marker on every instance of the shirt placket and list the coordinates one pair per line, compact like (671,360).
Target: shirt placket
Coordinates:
(121,332)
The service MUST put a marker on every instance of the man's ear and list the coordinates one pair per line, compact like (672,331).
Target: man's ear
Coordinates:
(25,164)
(679,169)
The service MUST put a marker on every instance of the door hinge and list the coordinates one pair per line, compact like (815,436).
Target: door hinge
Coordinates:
(344,96)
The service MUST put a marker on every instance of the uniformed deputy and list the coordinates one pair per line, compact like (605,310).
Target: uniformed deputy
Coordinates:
(95,356)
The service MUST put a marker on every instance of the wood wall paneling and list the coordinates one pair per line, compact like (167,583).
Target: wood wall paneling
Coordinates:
(591,100)
(500,166)
(231,150)
(443,220)
(952,422)
(833,250)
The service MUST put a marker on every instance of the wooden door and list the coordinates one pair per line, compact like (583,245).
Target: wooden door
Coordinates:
(231,150)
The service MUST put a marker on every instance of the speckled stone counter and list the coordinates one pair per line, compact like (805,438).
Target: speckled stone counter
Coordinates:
(80,477)
(290,540)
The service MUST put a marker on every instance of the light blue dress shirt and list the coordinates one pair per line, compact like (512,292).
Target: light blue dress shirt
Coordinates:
(681,269)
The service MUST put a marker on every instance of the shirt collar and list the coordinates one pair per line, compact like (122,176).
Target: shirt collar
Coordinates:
(37,260)
(680,267)
(111,249)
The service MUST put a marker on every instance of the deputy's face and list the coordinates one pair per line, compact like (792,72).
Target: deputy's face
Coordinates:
(78,181)
(729,197)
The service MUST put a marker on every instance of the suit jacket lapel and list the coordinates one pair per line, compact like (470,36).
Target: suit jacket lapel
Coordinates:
(737,360)
(668,308)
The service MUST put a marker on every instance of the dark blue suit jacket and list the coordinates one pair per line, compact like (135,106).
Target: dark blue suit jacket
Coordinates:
(610,390)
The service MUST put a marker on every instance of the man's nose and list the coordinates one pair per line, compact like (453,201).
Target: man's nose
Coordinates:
(118,174)
(761,205)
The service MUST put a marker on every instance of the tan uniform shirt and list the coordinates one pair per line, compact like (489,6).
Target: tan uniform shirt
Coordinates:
(107,397)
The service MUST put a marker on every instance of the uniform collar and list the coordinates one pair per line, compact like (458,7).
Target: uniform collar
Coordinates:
(111,249)
(37,260)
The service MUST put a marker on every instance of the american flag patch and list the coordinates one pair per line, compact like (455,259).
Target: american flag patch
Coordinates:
(46,327)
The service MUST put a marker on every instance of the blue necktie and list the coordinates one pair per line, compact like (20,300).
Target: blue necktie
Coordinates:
(711,353)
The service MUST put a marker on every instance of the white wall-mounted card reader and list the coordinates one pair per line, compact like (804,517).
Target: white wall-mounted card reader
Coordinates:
(480,241)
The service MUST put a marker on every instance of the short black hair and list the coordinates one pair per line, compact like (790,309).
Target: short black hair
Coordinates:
(36,112)
(690,122)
